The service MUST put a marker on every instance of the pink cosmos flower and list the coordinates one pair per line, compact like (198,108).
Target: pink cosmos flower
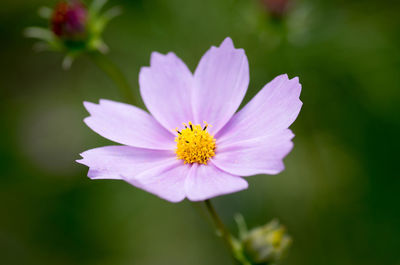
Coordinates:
(193,145)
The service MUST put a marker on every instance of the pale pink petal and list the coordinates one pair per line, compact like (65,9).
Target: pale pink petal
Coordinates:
(272,110)
(167,181)
(166,88)
(207,181)
(114,162)
(261,155)
(221,81)
(126,124)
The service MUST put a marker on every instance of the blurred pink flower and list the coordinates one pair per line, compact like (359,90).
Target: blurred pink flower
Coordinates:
(172,161)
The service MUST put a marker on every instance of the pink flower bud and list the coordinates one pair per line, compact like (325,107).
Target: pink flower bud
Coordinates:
(276,8)
(69,20)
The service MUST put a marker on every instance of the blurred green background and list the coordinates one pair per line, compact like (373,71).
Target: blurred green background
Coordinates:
(339,194)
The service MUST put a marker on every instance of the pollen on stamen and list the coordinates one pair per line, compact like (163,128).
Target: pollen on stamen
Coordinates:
(194,144)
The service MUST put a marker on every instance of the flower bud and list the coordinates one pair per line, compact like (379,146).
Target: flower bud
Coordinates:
(74,28)
(69,20)
(266,245)
(277,8)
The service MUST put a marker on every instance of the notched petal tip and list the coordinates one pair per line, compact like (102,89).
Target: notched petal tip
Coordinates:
(293,84)
(84,157)
(90,106)
(144,70)
(107,103)
(171,54)
(226,46)
(87,120)
(80,161)
(155,57)
(290,134)
(296,79)
(278,170)
(286,78)
(87,104)
(159,58)
(103,101)
(228,43)
(282,77)
(85,153)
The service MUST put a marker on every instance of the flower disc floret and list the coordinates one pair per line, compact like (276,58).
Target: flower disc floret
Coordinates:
(194,144)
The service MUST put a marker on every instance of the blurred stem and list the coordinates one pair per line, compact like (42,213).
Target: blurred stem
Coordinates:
(221,229)
(115,74)
(232,243)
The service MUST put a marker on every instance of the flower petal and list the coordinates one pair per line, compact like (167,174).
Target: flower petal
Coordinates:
(166,181)
(221,81)
(207,181)
(273,109)
(261,155)
(128,125)
(166,88)
(118,162)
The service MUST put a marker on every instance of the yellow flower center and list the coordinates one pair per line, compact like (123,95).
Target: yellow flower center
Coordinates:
(194,144)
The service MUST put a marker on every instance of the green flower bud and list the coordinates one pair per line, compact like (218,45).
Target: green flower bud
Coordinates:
(266,245)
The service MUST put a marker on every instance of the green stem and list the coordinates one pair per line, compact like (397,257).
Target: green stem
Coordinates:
(115,75)
(221,229)
(232,243)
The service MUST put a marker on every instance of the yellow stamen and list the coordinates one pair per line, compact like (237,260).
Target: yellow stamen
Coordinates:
(194,144)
